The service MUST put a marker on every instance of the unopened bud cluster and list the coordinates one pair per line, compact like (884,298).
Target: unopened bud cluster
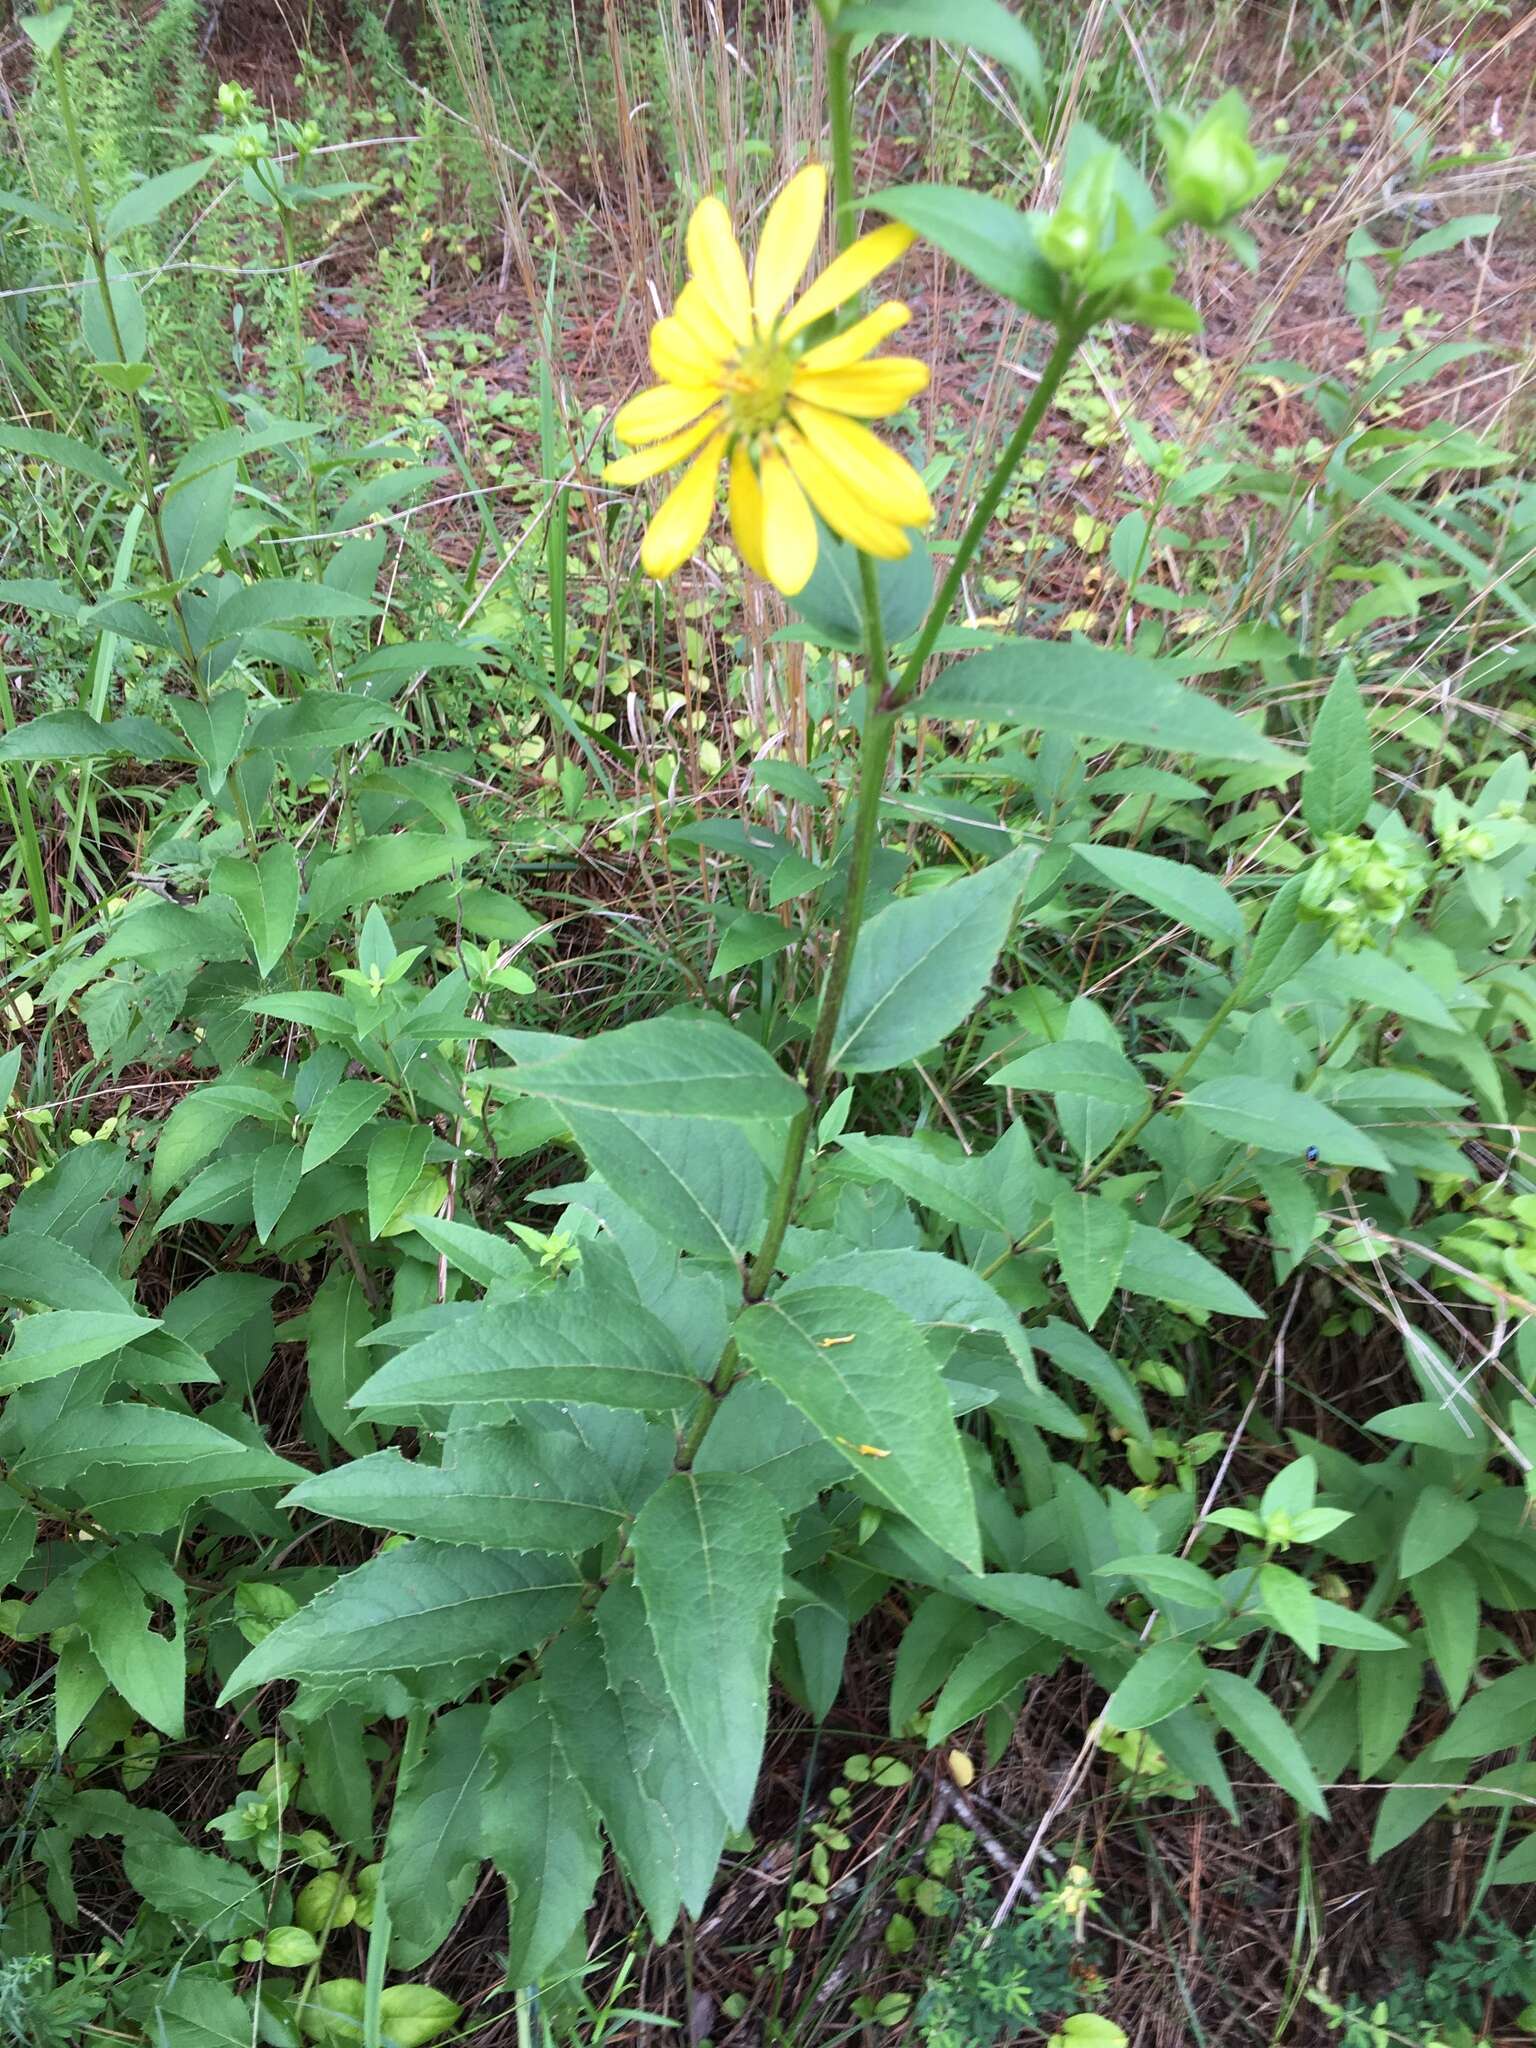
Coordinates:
(1123,267)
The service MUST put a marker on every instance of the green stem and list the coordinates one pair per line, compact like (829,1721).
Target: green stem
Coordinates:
(885,697)
(840,102)
(1067,343)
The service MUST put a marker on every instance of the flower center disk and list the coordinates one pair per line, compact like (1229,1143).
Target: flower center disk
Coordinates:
(756,386)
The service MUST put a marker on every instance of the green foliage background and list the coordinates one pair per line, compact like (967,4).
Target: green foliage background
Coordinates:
(477,1357)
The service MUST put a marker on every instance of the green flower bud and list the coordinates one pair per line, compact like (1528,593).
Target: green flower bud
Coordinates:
(235,102)
(1068,242)
(1073,235)
(1213,169)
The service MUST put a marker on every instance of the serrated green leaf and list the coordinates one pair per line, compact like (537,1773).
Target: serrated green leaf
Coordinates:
(986,1672)
(921,965)
(1288,1601)
(323,720)
(539,1831)
(1164,1678)
(616,1723)
(341,1114)
(1386,1699)
(983,234)
(664,1066)
(423,1608)
(1496,1718)
(1168,1269)
(72,736)
(266,894)
(862,1371)
(1090,693)
(435,1844)
(382,867)
(338,1325)
(508,1488)
(59,1340)
(1438,1523)
(1174,887)
(114,1602)
(142,1467)
(562,1346)
(1258,1727)
(1336,784)
(283,601)
(1169,1578)
(274,1181)
(396,1154)
(1073,1351)
(696,1180)
(938,1293)
(216,1897)
(707,1550)
(1066,1614)
(1090,1237)
(66,452)
(1446,1596)
(112,322)
(1076,1066)
(1251,1110)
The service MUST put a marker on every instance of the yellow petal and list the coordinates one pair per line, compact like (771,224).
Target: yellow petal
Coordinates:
(868,390)
(716,261)
(681,518)
(848,274)
(788,242)
(789,531)
(844,510)
(662,410)
(634,469)
(886,480)
(746,503)
(704,323)
(856,342)
(679,357)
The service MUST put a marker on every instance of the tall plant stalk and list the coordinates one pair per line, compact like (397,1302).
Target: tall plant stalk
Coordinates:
(885,696)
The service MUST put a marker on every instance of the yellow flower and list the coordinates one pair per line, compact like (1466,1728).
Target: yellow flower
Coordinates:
(742,384)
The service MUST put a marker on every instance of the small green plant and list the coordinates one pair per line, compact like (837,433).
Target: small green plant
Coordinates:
(1031,1977)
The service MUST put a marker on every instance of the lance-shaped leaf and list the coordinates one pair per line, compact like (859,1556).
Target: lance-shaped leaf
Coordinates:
(1090,693)
(618,1724)
(922,964)
(597,1347)
(423,1608)
(539,1831)
(663,1066)
(511,1488)
(708,1548)
(862,1371)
